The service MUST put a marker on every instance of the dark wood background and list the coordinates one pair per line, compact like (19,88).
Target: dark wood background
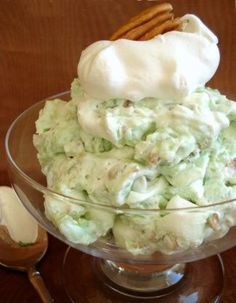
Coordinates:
(40,45)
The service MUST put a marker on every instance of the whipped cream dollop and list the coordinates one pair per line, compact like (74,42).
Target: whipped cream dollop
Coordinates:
(21,226)
(169,66)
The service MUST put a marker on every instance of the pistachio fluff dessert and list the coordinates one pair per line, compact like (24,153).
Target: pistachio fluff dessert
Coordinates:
(142,131)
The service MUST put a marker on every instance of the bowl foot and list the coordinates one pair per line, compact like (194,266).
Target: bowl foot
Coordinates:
(92,280)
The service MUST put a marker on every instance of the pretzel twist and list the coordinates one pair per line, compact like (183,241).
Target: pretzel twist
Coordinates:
(153,21)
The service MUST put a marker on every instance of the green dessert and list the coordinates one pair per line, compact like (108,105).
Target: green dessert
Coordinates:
(154,153)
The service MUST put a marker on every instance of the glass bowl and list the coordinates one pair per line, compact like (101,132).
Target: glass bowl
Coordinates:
(181,268)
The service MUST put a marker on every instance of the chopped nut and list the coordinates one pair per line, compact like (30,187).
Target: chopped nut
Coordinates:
(127,103)
(112,174)
(214,221)
(170,242)
(153,158)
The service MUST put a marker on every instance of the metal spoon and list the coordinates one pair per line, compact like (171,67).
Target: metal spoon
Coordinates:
(24,258)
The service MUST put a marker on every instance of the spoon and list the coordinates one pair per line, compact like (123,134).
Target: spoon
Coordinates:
(24,258)
(22,241)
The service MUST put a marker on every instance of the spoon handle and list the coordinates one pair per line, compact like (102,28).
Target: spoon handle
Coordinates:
(39,285)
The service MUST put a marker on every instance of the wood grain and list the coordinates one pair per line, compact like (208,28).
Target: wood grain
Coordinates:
(40,45)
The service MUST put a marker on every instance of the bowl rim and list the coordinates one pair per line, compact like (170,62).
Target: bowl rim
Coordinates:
(119,209)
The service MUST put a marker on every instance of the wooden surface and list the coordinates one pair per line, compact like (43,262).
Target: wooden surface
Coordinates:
(40,45)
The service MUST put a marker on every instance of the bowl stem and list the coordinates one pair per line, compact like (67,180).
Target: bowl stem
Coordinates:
(140,280)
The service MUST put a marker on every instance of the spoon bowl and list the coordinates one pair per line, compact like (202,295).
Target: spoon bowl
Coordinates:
(21,256)
(24,257)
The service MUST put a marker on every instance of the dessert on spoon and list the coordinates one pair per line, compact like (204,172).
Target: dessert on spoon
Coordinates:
(22,242)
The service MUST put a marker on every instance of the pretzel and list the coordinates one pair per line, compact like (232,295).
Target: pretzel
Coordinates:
(141,30)
(167,26)
(155,20)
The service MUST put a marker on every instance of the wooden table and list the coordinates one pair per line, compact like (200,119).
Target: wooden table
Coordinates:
(40,45)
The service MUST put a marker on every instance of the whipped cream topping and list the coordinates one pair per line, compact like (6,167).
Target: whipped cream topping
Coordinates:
(169,66)
(21,226)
